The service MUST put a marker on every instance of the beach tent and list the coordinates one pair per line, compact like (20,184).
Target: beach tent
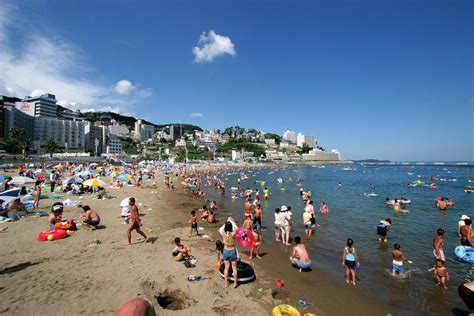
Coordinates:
(94,183)
(22,180)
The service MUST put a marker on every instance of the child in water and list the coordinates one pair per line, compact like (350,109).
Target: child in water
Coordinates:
(441,273)
(398,259)
(194,224)
(350,260)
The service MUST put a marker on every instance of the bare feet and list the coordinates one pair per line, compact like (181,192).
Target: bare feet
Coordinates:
(235,285)
(287,244)
(226,285)
(259,257)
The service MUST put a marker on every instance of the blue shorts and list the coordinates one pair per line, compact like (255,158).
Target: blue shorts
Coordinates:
(92,222)
(229,255)
(397,268)
(301,264)
(194,225)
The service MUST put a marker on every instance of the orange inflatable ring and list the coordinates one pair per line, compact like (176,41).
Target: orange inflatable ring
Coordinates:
(52,235)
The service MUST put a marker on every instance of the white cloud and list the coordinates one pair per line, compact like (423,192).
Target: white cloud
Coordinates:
(212,45)
(52,65)
(197,115)
(125,87)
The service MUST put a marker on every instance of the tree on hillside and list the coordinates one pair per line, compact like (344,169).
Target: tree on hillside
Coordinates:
(276,137)
(305,149)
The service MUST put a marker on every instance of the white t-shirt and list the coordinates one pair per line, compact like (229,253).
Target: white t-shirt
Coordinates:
(284,218)
(277,219)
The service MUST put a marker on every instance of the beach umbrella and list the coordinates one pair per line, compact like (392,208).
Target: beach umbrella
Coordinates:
(245,237)
(93,164)
(31,165)
(94,183)
(74,180)
(124,177)
(59,166)
(84,174)
(15,192)
(124,202)
(22,180)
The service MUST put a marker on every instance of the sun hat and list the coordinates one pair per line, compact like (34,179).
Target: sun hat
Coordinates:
(463,217)
(283,208)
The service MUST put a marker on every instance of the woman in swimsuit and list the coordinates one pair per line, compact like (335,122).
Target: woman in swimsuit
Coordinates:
(229,254)
(350,261)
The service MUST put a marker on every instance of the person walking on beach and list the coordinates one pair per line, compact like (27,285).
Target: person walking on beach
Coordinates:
(350,260)
(299,257)
(229,254)
(136,223)
(398,260)
(53,178)
(277,224)
(194,224)
(382,229)
(438,243)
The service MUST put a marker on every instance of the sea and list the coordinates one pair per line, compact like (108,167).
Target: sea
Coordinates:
(356,197)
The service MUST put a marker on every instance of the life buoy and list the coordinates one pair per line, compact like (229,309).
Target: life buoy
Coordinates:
(285,309)
(52,235)
(245,272)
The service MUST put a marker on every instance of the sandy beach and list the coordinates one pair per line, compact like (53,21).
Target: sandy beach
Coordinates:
(95,272)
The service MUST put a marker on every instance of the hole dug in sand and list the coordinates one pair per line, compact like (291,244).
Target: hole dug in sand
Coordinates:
(166,298)
(173,300)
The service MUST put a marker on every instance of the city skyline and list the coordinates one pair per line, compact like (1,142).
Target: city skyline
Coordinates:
(375,81)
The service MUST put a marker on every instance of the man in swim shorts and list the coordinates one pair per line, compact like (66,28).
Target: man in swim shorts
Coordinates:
(438,245)
(90,219)
(398,259)
(299,256)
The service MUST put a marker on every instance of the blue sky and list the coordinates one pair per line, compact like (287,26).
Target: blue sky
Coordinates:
(375,79)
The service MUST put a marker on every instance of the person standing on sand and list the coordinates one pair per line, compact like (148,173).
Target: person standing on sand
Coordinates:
(438,245)
(194,224)
(37,194)
(229,254)
(136,223)
(299,257)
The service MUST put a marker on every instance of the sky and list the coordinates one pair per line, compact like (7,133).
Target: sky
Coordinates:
(374,79)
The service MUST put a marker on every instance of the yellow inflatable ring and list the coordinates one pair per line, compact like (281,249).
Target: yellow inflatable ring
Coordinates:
(285,309)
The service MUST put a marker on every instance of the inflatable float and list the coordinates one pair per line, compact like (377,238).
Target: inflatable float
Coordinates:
(245,272)
(464,253)
(52,235)
(468,189)
(245,237)
(285,309)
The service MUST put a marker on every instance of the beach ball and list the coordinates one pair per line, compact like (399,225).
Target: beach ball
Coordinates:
(50,237)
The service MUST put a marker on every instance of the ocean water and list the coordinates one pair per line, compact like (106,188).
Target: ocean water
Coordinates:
(355,215)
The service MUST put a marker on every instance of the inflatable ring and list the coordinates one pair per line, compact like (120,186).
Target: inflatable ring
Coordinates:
(52,235)
(285,309)
(245,272)
(464,253)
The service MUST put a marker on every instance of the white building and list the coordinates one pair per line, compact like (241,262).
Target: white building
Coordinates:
(114,145)
(66,133)
(40,106)
(180,143)
(143,132)
(319,155)
(302,139)
(289,136)
(270,142)
(118,129)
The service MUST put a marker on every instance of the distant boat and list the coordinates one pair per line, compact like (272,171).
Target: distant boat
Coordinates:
(462,163)
(420,163)
(439,163)
(348,169)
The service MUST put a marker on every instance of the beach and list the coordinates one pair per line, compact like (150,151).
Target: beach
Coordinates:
(95,272)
